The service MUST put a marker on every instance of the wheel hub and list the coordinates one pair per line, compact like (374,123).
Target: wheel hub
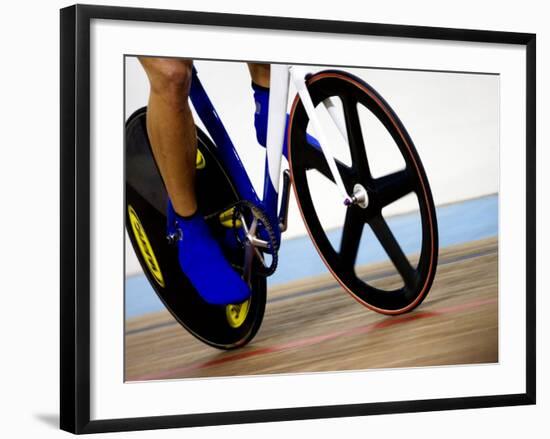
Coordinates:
(360,196)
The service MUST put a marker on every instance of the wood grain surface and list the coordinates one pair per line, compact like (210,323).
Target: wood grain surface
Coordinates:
(313,325)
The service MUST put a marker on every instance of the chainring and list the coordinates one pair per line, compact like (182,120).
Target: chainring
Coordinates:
(263,243)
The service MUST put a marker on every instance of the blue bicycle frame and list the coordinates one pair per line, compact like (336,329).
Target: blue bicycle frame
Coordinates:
(228,156)
(280,75)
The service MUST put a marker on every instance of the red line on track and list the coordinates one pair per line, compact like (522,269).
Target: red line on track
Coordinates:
(309,341)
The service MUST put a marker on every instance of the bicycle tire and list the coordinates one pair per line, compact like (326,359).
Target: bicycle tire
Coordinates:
(352,91)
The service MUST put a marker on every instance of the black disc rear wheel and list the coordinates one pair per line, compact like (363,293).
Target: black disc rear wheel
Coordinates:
(223,327)
(416,272)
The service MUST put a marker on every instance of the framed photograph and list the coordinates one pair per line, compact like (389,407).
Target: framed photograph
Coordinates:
(268,219)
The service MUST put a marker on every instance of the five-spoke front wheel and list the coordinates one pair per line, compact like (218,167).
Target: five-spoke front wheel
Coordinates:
(417,270)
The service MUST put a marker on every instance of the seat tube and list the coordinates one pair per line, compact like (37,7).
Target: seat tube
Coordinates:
(278,98)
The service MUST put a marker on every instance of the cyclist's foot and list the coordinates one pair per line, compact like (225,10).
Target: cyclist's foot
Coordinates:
(202,261)
(261,98)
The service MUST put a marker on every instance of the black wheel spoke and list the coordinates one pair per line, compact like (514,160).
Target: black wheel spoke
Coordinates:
(351,236)
(315,159)
(355,138)
(384,234)
(392,187)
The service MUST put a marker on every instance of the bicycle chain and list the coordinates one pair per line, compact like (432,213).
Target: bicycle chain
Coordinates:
(262,217)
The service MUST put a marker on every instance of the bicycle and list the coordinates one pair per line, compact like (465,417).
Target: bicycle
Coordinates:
(254,225)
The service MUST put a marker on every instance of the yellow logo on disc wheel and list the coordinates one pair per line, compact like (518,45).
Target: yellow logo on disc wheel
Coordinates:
(236,313)
(145,247)
(226,219)
(201,161)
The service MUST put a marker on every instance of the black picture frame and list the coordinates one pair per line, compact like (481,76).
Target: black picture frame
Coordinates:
(75,217)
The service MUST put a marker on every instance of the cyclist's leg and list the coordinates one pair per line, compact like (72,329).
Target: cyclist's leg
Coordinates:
(171,128)
(260,74)
(172,134)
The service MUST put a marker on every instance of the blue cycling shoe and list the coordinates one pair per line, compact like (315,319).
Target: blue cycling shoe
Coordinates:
(203,262)
(261,98)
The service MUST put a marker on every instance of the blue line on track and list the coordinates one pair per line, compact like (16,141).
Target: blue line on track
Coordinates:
(458,223)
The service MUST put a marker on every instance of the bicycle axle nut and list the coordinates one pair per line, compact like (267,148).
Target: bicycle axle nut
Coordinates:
(360,197)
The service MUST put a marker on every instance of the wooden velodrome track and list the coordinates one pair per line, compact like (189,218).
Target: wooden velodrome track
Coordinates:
(314,325)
